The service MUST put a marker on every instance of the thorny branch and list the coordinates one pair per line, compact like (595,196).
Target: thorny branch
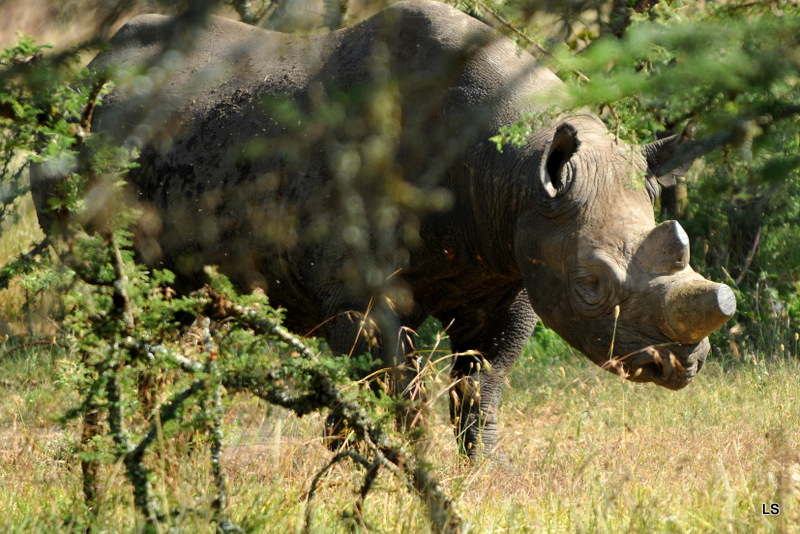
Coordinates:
(508,25)
(213,408)
(266,384)
(109,380)
(132,457)
(25,257)
(325,394)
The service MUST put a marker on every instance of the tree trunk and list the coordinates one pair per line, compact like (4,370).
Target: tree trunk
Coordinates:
(745,220)
(675,200)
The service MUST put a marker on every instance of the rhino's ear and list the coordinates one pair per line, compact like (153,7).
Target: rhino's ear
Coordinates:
(555,176)
(659,152)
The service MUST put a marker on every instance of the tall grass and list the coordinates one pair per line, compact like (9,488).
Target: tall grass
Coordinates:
(704,459)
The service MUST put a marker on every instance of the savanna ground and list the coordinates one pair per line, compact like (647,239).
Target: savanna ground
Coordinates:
(586,452)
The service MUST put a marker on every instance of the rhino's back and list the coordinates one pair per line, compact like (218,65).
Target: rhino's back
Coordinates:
(428,47)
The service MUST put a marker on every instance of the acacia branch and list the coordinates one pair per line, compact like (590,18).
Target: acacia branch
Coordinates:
(687,151)
(24,258)
(508,25)
(132,457)
(91,104)
(216,414)
(749,259)
(120,299)
(323,392)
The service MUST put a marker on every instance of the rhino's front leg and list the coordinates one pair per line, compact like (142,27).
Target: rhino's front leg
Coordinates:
(486,354)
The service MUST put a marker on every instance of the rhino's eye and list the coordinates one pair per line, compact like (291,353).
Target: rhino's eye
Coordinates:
(595,289)
(590,290)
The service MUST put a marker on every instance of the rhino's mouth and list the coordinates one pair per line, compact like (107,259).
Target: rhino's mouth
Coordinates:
(669,365)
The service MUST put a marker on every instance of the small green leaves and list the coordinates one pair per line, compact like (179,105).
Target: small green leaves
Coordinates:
(513,134)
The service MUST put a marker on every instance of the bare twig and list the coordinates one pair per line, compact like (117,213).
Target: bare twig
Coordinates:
(366,486)
(88,111)
(749,259)
(512,28)
(340,456)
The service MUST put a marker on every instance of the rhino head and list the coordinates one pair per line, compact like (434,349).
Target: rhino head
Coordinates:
(590,244)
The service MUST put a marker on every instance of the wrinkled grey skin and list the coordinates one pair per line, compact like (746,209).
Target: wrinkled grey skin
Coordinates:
(561,229)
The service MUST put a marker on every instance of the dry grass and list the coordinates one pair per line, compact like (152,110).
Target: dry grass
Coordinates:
(17,237)
(610,456)
(591,454)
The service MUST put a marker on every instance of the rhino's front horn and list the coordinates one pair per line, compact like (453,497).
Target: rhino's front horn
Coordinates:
(696,307)
(665,250)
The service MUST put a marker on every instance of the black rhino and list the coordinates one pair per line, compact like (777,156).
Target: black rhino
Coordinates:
(353,172)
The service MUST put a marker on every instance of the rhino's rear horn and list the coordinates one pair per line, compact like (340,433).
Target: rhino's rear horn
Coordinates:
(665,250)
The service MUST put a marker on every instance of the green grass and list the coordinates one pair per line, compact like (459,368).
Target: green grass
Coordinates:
(588,453)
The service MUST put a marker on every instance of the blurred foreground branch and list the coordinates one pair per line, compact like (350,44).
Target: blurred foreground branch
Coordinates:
(741,131)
